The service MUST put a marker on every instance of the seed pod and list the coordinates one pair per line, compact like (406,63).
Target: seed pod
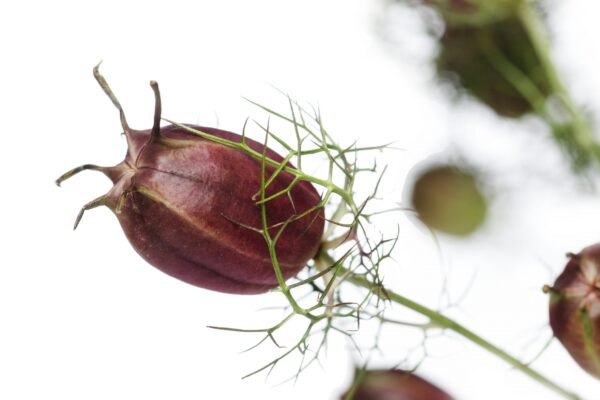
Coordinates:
(575,308)
(450,6)
(392,385)
(496,63)
(473,12)
(449,199)
(188,206)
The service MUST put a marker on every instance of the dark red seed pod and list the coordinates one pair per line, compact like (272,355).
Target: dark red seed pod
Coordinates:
(189,207)
(575,308)
(393,385)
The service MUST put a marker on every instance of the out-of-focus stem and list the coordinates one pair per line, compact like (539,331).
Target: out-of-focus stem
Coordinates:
(582,133)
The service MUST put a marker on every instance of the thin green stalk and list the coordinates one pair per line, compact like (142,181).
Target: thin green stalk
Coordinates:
(271,242)
(582,133)
(435,318)
(447,323)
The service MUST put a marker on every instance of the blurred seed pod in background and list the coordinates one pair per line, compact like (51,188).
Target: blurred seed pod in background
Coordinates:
(473,12)
(575,308)
(487,52)
(482,60)
(392,385)
(448,198)
(454,6)
(497,51)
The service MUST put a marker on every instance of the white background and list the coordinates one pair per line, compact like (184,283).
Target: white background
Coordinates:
(83,317)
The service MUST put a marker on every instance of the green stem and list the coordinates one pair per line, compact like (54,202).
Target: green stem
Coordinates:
(582,133)
(588,339)
(447,323)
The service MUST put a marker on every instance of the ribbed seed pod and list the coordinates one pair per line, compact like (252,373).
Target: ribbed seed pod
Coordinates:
(392,385)
(189,206)
(575,308)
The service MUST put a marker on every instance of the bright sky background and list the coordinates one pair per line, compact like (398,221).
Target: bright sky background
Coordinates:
(83,317)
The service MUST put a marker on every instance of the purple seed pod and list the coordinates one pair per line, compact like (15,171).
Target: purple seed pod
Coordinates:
(189,207)
(392,385)
(575,308)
